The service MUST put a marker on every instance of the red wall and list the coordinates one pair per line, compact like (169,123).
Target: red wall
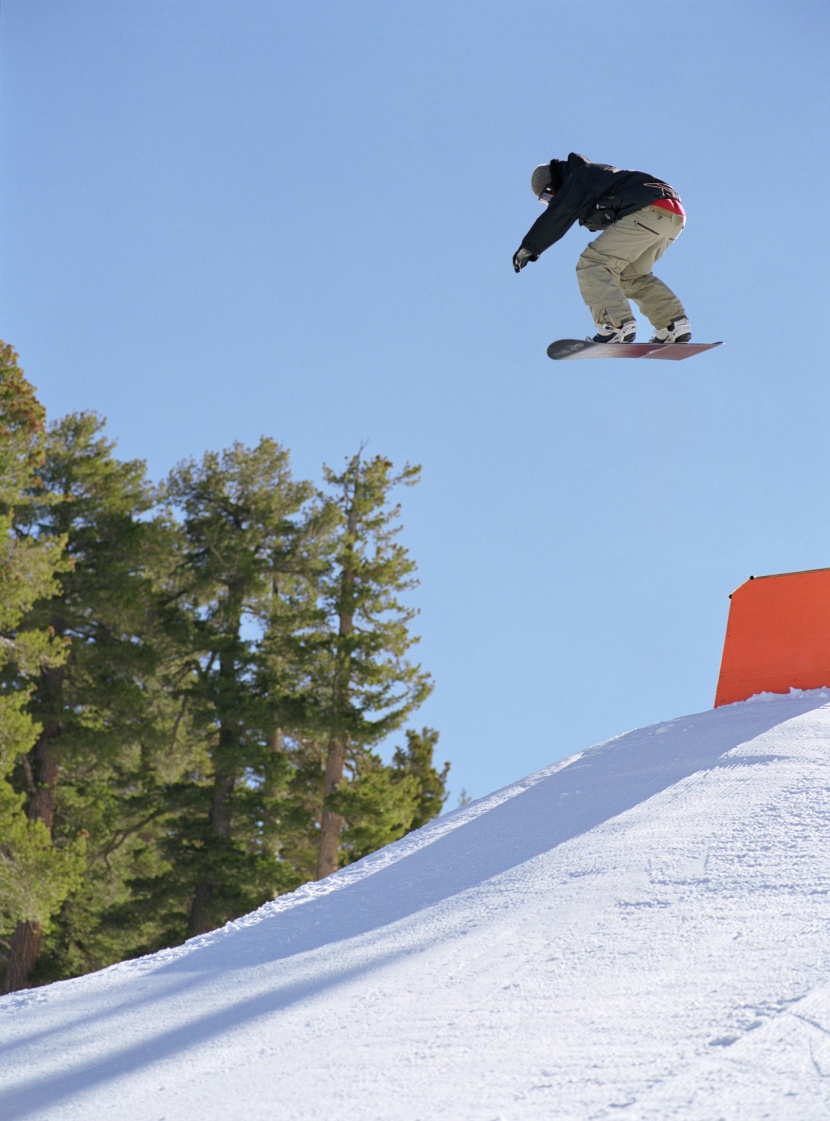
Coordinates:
(777,636)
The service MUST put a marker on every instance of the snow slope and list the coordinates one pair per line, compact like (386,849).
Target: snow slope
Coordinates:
(641,931)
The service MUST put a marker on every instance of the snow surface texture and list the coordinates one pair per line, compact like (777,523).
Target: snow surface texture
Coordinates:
(641,931)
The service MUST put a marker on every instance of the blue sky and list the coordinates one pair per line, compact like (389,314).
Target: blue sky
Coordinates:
(221,219)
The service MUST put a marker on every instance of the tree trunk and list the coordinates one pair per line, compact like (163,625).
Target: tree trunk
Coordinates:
(328,854)
(200,920)
(24,948)
(23,955)
(203,916)
(44,765)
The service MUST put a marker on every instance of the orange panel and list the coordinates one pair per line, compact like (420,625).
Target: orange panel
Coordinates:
(777,636)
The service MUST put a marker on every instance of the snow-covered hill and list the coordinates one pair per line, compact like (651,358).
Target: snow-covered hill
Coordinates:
(641,931)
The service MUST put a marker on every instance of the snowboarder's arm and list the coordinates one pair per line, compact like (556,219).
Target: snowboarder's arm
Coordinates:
(557,219)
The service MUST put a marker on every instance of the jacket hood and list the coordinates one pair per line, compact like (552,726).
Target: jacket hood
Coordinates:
(573,162)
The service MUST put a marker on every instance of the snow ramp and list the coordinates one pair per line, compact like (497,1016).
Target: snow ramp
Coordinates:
(641,930)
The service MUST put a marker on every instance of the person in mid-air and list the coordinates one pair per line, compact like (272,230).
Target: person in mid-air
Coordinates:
(639,216)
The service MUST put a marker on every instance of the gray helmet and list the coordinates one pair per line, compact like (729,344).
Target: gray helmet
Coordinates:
(540,180)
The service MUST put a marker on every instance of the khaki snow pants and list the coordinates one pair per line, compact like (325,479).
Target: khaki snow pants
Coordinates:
(618,265)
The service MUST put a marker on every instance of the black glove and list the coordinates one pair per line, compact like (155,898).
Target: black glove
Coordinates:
(522,256)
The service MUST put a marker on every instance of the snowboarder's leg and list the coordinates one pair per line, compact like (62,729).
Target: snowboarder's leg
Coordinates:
(619,262)
(601,264)
(654,298)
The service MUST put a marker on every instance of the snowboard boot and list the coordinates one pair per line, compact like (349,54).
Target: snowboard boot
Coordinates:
(608,333)
(678,331)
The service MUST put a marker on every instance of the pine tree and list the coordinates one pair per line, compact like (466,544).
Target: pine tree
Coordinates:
(35,874)
(242,523)
(97,740)
(382,802)
(369,687)
(416,761)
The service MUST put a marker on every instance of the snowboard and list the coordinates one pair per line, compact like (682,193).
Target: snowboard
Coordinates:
(586,348)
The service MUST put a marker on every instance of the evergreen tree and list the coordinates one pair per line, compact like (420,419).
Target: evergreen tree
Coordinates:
(97,740)
(382,802)
(35,874)
(243,527)
(416,761)
(369,687)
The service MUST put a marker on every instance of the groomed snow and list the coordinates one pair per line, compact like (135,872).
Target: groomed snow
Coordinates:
(641,931)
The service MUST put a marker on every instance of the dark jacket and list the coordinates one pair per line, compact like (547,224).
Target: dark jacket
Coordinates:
(595,195)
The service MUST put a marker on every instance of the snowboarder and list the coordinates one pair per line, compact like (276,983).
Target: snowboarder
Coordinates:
(640,217)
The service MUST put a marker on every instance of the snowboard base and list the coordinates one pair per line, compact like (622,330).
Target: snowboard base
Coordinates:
(586,348)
